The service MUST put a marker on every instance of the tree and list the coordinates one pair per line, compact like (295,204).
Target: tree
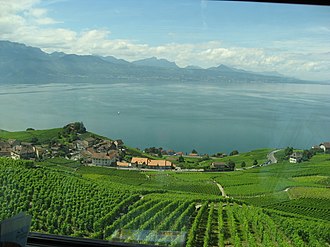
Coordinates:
(288,151)
(243,164)
(34,140)
(307,154)
(181,159)
(234,152)
(255,162)
(79,127)
(194,151)
(231,165)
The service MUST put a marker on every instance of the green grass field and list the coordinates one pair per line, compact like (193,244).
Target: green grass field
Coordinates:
(260,155)
(281,204)
(173,208)
(26,136)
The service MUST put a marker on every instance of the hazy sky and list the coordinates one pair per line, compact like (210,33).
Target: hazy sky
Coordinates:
(291,39)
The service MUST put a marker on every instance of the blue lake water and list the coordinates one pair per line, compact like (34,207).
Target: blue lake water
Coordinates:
(207,117)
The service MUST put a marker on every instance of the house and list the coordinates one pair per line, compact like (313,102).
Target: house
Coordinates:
(5,149)
(104,159)
(80,145)
(160,164)
(40,152)
(23,152)
(14,142)
(140,161)
(89,141)
(325,146)
(119,143)
(193,154)
(123,164)
(170,152)
(295,157)
(220,166)
(105,146)
(317,148)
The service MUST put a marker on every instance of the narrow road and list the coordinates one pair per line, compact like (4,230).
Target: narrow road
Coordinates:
(223,193)
(271,156)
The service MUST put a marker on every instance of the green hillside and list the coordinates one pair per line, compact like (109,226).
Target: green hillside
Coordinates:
(43,136)
(280,204)
(170,208)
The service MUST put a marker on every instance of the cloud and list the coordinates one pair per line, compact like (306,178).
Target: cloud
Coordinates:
(23,21)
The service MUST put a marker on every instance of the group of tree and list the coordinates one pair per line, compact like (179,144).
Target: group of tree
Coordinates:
(154,151)
(219,155)
(234,152)
(306,154)
(74,128)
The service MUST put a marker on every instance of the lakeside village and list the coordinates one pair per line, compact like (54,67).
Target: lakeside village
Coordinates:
(75,143)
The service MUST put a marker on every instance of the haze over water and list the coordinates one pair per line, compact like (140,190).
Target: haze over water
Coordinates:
(207,117)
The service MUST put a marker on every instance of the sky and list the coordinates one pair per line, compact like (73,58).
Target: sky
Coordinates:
(293,40)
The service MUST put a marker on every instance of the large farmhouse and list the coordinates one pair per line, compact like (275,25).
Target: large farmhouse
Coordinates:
(152,164)
(160,164)
(325,146)
(104,159)
(295,157)
(140,161)
(220,167)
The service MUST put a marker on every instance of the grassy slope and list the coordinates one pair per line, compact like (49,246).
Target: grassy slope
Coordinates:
(90,194)
(42,135)
(265,186)
(194,162)
(285,186)
(259,154)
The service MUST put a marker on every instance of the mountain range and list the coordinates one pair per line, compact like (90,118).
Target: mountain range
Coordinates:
(24,64)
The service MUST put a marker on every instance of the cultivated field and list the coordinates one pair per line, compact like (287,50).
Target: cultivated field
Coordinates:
(279,205)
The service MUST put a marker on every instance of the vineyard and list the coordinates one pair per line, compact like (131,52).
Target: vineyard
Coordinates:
(168,208)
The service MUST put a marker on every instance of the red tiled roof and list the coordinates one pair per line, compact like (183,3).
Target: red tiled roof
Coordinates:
(161,163)
(103,156)
(140,160)
(122,164)
(326,145)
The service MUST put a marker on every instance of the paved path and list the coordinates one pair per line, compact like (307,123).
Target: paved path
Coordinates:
(271,156)
(223,193)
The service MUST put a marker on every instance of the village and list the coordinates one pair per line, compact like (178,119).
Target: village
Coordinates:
(73,144)
(90,151)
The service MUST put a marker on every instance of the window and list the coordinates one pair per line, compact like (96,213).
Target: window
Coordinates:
(176,123)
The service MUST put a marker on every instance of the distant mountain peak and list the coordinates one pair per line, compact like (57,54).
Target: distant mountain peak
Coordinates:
(58,54)
(156,62)
(115,60)
(223,68)
(193,67)
(26,64)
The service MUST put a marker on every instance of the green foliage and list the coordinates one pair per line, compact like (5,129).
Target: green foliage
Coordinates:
(154,151)
(307,154)
(56,199)
(43,136)
(248,157)
(288,151)
(234,152)
(74,128)
(65,197)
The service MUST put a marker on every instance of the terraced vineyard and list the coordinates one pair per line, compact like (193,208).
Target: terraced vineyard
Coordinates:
(168,208)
